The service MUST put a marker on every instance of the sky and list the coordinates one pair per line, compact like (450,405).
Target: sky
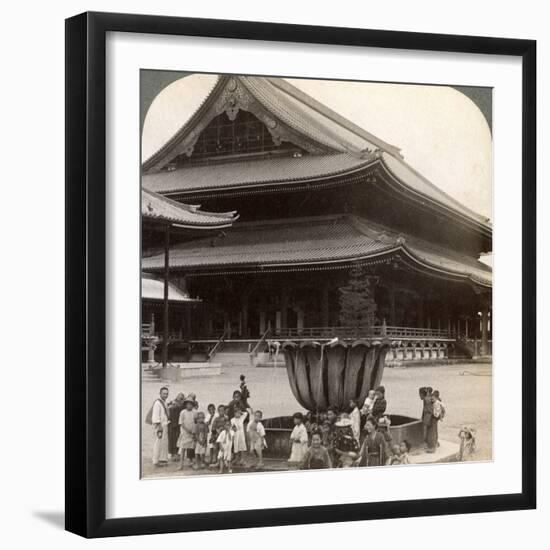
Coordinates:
(440,132)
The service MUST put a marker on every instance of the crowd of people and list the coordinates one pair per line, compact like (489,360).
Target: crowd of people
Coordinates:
(220,436)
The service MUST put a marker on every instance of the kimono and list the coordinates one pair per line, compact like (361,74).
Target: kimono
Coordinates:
(209,420)
(299,440)
(439,409)
(344,444)
(225,442)
(373,450)
(187,427)
(160,423)
(230,409)
(174,410)
(405,458)
(316,459)
(367,406)
(355,418)
(216,428)
(239,439)
(379,408)
(256,436)
(201,438)
(467,447)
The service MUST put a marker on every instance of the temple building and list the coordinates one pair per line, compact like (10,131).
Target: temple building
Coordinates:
(315,195)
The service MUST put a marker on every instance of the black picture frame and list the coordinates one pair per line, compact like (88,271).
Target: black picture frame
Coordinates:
(86,285)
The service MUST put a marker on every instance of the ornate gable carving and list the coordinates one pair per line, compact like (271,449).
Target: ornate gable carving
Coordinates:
(230,97)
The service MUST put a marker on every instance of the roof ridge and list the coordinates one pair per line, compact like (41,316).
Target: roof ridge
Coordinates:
(308,220)
(311,102)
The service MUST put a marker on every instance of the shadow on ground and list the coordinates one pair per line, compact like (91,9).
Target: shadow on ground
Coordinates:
(57,519)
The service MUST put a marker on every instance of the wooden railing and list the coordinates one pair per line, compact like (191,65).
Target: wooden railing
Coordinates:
(217,345)
(256,348)
(379,331)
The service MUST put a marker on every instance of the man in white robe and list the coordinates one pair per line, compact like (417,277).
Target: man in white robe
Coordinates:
(160,423)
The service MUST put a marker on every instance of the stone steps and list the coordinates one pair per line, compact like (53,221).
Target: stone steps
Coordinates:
(148,375)
(229,359)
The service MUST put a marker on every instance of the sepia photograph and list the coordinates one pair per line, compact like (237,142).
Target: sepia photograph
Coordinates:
(316,274)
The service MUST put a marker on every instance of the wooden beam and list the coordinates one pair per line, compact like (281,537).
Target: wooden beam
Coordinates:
(165,303)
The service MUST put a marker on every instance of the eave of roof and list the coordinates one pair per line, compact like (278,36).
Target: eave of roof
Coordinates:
(159,209)
(317,243)
(153,289)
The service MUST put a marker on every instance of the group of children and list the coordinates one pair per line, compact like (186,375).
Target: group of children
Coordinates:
(219,437)
(353,437)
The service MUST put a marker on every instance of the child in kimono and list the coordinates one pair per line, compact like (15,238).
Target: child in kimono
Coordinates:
(239,437)
(317,457)
(245,393)
(467,436)
(236,403)
(216,429)
(186,441)
(201,440)
(394,456)
(439,408)
(256,437)
(309,422)
(332,415)
(327,435)
(211,414)
(355,417)
(225,446)
(346,447)
(368,404)
(404,449)
(380,404)
(298,439)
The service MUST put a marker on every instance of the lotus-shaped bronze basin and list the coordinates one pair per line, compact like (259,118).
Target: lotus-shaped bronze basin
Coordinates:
(329,375)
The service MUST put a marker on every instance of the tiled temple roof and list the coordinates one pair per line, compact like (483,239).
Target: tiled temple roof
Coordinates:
(250,172)
(158,208)
(321,241)
(347,148)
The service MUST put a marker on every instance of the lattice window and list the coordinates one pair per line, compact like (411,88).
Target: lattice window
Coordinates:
(246,135)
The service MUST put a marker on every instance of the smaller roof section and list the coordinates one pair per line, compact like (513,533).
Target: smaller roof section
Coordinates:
(160,209)
(153,289)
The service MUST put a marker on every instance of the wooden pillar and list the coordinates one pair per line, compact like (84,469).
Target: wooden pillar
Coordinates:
(278,319)
(300,319)
(262,321)
(325,313)
(165,299)
(187,324)
(420,312)
(151,350)
(284,307)
(484,330)
(244,316)
(227,324)
(392,306)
